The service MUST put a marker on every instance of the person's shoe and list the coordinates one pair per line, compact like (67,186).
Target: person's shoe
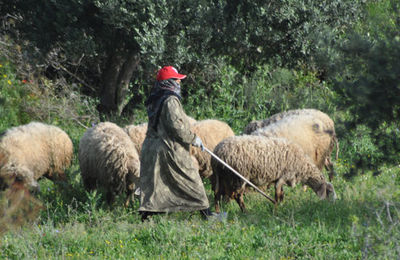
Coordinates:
(146,215)
(207,214)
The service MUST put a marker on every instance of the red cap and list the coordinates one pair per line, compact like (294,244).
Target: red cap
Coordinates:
(169,72)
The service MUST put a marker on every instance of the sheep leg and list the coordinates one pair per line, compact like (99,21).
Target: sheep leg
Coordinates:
(110,197)
(129,197)
(89,184)
(238,195)
(217,199)
(130,191)
(279,191)
(240,201)
(217,191)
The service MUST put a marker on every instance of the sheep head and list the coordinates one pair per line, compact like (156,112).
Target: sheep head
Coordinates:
(9,179)
(326,190)
(10,174)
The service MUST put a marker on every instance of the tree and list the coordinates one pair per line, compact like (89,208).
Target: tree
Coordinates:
(109,44)
(109,39)
(365,70)
(259,32)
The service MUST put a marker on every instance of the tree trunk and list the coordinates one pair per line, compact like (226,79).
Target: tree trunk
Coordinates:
(125,75)
(116,77)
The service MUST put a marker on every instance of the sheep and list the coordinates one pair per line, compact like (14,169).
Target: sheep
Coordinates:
(264,161)
(211,132)
(137,134)
(312,129)
(192,121)
(256,124)
(327,121)
(33,151)
(310,133)
(109,161)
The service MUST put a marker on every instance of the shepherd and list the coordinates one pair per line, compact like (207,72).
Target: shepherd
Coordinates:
(169,180)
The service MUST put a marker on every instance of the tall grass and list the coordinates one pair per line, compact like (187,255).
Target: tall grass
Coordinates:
(362,223)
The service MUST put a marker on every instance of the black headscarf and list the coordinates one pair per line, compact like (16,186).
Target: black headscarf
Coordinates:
(160,92)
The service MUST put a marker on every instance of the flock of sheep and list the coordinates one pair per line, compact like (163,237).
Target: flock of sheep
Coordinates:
(286,149)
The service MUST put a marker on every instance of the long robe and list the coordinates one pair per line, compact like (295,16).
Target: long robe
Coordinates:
(169,181)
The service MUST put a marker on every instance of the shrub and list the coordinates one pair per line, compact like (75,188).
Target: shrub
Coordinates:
(13,97)
(238,99)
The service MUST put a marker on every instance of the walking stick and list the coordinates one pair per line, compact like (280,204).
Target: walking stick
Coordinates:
(239,175)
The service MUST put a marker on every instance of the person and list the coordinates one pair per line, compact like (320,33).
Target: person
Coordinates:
(169,181)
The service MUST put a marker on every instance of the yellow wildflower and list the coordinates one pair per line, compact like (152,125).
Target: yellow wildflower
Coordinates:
(1,65)
(4,76)
(9,82)
(108,242)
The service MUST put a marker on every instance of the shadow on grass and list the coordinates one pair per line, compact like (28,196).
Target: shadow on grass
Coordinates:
(305,209)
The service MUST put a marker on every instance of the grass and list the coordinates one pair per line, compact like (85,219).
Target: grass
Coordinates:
(74,224)
(362,223)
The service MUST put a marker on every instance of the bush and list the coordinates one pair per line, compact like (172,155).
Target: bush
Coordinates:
(364,69)
(238,99)
(13,97)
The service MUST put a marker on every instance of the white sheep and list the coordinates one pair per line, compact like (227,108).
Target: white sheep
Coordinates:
(264,161)
(256,124)
(192,121)
(33,151)
(108,160)
(137,133)
(312,129)
(211,132)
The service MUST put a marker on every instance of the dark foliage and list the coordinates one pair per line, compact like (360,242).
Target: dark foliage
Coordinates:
(364,68)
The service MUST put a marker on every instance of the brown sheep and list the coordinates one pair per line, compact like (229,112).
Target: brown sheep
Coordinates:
(312,129)
(137,133)
(33,151)
(211,132)
(264,161)
(108,159)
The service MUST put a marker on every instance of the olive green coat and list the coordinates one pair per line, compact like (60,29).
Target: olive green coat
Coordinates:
(169,181)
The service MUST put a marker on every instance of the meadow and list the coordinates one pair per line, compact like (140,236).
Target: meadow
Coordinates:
(362,223)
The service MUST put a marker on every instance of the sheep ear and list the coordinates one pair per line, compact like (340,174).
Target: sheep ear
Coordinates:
(330,191)
(322,191)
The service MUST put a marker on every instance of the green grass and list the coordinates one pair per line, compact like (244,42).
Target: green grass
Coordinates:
(363,222)
(74,224)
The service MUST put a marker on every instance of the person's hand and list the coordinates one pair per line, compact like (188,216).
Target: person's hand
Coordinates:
(198,143)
